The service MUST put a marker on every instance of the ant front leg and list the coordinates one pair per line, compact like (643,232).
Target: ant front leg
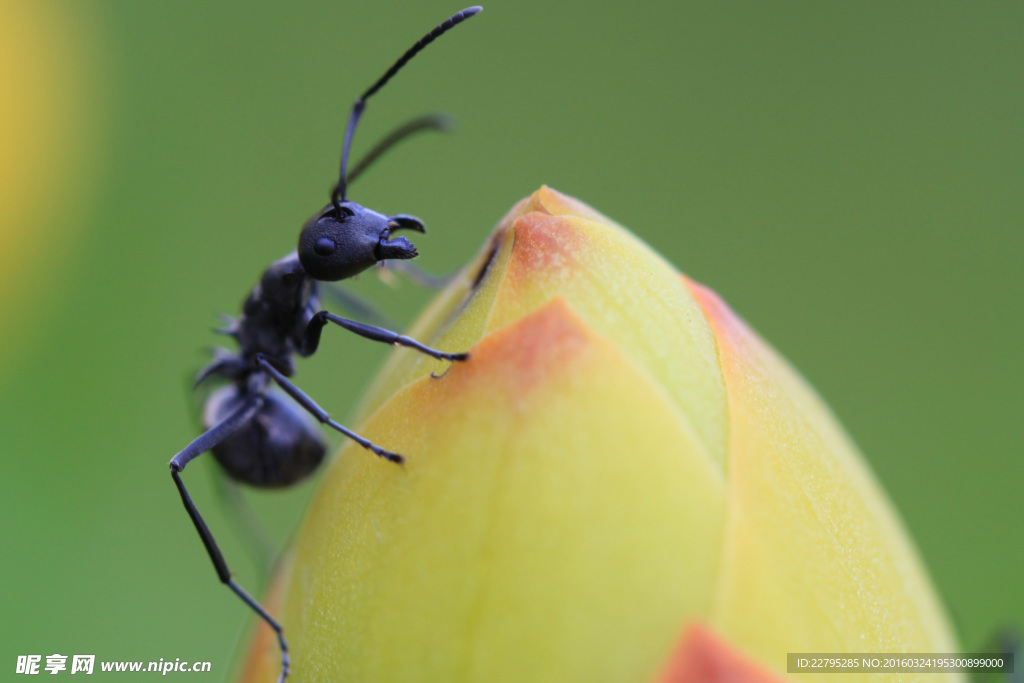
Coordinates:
(319,413)
(204,442)
(420,276)
(312,339)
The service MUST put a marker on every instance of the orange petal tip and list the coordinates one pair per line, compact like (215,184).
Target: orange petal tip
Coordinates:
(703,657)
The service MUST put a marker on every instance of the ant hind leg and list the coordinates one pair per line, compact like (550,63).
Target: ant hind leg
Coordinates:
(201,444)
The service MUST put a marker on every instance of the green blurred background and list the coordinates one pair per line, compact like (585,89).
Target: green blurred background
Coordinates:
(848,175)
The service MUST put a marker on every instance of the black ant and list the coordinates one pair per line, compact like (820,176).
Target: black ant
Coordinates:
(257,435)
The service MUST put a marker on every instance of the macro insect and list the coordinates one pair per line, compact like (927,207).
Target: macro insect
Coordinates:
(260,435)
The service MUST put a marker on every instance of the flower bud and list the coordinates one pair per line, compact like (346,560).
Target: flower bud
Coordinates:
(621,456)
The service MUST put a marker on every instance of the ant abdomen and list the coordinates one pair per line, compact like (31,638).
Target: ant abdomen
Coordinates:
(279,447)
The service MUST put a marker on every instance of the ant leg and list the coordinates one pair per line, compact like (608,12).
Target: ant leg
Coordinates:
(319,413)
(204,442)
(354,304)
(419,276)
(316,326)
(217,433)
(262,550)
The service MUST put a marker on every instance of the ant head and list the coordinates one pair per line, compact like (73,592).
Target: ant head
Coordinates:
(344,239)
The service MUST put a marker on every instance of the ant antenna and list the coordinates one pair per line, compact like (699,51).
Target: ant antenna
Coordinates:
(438,122)
(338,195)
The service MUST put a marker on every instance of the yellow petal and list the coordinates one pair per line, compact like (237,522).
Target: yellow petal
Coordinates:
(622,289)
(815,557)
(490,556)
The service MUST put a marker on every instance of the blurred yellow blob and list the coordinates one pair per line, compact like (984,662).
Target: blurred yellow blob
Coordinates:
(620,456)
(47,127)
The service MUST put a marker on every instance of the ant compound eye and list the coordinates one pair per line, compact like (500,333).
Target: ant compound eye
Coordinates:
(324,246)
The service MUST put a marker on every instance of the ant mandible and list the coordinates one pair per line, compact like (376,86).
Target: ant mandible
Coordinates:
(258,436)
